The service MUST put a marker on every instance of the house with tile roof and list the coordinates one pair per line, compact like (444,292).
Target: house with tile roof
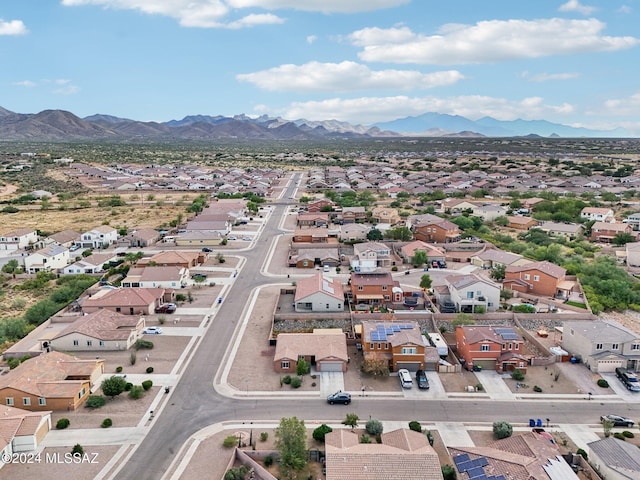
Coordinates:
(327,352)
(489,211)
(605,232)
(140,237)
(383,214)
(494,257)
(603,345)
(568,231)
(354,232)
(523,457)
(314,257)
(128,301)
(598,214)
(177,258)
(489,347)
(519,222)
(21,430)
(49,259)
(400,343)
(438,230)
(472,293)
(18,239)
(615,459)
(51,381)
(539,278)
(94,263)
(375,288)
(66,238)
(100,237)
(319,294)
(370,256)
(156,277)
(100,331)
(313,220)
(402,455)
(434,253)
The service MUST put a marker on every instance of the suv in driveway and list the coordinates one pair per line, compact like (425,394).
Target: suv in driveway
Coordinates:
(339,397)
(166,308)
(421,380)
(629,379)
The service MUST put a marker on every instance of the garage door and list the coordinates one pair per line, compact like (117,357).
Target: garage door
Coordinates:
(485,364)
(411,366)
(330,366)
(608,366)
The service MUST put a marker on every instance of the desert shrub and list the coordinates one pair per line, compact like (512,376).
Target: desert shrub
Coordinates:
(149,369)
(448,472)
(230,442)
(286,379)
(365,438)
(162,319)
(415,426)
(264,436)
(628,434)
(536,388)
(62,423)
(619,436)
(236,473)
(13,362)
(321,431)
(268,461)
(479,387)
(517,375)
(582,453)
(106,423)
(132,358)
(296,382)
(141,343)
(136,392)
(118,369)
(77,449)
(128,386)
(374,427)
(502,429)
(95,401)
(603,383)
(147,384)
(430,437)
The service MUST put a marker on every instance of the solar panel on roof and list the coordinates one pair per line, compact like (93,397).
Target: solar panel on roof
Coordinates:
(464,466)
(463,457)
(404,326)
(475,472)
(482,461)
(396,328)
(389,331)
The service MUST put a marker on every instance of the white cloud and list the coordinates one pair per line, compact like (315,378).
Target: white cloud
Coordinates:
(25,83)
(487,41)
(576,6)
(344,77)
(13,27)
(67,89)
(368,110)
(628,106)
(311,39)
(215,13)
(545,77)
(625,9)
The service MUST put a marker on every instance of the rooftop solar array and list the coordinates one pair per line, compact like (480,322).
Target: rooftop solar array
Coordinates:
(507,333)
(379,334)
(474,467)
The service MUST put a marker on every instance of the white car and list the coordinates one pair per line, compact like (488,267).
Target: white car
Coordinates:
(231,238)
(247,239)
(152,331)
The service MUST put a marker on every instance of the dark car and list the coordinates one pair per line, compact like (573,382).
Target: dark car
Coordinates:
(617,420)
(421,380)
(629,379)
(339,397)
(207,250)
(166,308)
(199,276)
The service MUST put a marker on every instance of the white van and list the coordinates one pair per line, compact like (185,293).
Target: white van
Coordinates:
(326,268)
(405,378)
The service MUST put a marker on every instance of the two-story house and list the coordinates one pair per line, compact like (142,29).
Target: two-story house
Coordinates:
(375,288)
(489,347)
(438,230)
(434,254)
(605,232)
(353,214)
(603,345)
(319,206)
(401,344)
(385,215)
(489,211)
(49,259)
(313,219)
(598,214)
(18,239)
(370,256)
(99,237)
(539,278)
(473,293)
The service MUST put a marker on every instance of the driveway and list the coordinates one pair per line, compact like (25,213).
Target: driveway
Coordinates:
(494,385)
(330,382)
(621,391)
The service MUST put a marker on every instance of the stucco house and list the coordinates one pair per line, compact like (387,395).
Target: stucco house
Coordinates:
(128,301)
(354,232)
(605,232)
(438,230)
(369,256)
(598,214)
(603,345)
(327,352)
(539,278)
(22,431)
(51,381)
(400,343)
(94,263)
(99,237)
(176,258)
(434,253)
(49,259)
(521,223)
(489,211)
(489,347)
(633,254)
(615,459)
(100,331)
(156,277)
(319,294)
(385,215)
(140,237)
(494,257)
(472,293)
(18,239)
(375,288)
(568,231)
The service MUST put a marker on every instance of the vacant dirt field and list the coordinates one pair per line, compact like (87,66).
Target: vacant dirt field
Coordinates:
(457,382)
(553,380)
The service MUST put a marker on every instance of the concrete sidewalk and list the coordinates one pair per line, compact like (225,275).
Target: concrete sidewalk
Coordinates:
(94,436)
(495,386)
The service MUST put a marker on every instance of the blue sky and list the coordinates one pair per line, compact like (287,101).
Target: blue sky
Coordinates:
(574,62)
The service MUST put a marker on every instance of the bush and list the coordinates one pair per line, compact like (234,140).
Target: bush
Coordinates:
(448,472)
(320,432)
(517,375)
(95,401)
(415,426)
(264,436)
(162,319)
(296,382)
(619,436)
(136,392)
(128,386)
(365,438)
(628,434)
(13,362)
(230,442)
(430,437)
(268,461)
(149,369)
(62,423)
(394,268)
(106,423)
(147,384)
(502,429)
(143,344)
(374,427)
(118,369)
(582,453)
(77,449)
(132,358)
(286,379)
(603,383)
(536,388)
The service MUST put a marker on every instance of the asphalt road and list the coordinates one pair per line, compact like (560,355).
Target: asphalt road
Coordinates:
(194,403)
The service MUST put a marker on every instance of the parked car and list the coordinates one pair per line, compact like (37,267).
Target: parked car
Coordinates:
(339,397)
(73,248)
(629,379)
(247,239)
(232,238)
(207,250)
(421,380)
(152,331)
(405,378)
(326,268)
(199,276)
(618,421)
(166,308)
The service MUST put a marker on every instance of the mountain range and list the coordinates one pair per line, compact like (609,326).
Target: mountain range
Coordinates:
(60,125)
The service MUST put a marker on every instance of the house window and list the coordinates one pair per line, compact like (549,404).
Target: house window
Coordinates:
(521,364)
(615,346)
(284,365)
(305,263)
(384,288)
(101,343)
(572,332)
(339,306)
(379,346)
(408,350)
(517,346)
(371,346)
(76,343)
(536,278)
(26,401)
(89,343)
(469,294)
(635,346)
(360,288)
(81,393)
(598,346)
(118,309)
(9,400)
(527,276)
(42,401)
(504,346)
(511,346)
(386,346)
(327,306)
(485,348)
(387,298)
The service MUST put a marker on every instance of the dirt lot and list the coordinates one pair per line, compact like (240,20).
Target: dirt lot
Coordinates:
(457,382)
(553,379)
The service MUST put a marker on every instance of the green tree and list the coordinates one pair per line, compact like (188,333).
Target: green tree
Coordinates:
(374,427)
(291,436)
(12,266)
(623,238)
(498,272)
(321,431)
(449,473)
(502,429)
(351,420)
(113,386)
(374,235)
(402,234)
(419,258)
(302,367)
(462,319)
(425,281)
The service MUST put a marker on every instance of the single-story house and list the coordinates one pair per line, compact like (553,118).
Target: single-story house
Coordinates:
(326,351)
(319,294)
